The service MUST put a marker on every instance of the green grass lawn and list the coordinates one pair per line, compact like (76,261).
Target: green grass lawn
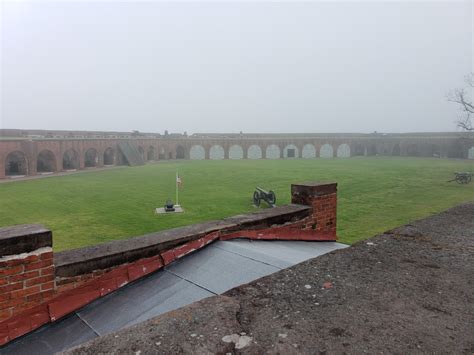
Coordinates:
(375,194)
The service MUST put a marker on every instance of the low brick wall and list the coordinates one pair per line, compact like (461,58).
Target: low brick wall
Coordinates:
(38,287)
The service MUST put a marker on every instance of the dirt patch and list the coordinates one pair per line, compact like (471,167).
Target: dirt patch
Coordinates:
(407,290)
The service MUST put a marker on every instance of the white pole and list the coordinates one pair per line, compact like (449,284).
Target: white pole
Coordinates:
(176,183)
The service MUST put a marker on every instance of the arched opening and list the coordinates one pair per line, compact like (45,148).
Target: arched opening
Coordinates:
(179,152)
(254,152)
(308,152)
(16,164)
(236,152)
(141,151)
(70,160)
(372,150)
(46,162)
(150,154)
(162,154)
(435,151)
(396,150)
(412,150)
(91,158)
(359,150)
(272,152)
(343,151)
(326,151)
(197,152)
(216,152)
(109,156)
(291,151)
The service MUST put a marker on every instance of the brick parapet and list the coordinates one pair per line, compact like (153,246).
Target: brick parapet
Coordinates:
(37,291)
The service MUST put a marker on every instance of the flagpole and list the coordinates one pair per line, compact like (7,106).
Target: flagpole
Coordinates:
(176,182)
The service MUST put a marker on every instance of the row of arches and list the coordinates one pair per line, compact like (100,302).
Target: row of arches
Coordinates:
(272,151)
(17,162)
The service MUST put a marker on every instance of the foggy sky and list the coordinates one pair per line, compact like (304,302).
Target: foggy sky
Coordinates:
(233,66)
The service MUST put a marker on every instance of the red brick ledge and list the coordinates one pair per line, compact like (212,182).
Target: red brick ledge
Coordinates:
(51,294)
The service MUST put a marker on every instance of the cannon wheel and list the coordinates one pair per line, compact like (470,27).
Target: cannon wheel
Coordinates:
(256,198)
(271,197)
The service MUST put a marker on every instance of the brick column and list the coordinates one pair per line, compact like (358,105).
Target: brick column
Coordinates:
(26,268)
(322,197)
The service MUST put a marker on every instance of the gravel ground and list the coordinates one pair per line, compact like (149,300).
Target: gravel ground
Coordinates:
(407,290)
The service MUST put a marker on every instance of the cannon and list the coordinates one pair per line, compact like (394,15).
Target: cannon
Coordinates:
(169,207)
(462,177)
(260,194)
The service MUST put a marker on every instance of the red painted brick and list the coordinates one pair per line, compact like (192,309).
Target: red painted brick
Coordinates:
(168,256)
(38,280)
(39,316)
(11,270)
(64,288)
(4,314)
(18,327)
(26,291)
(24,276)
(38,265)
(3,281)
(137,271)
(65,305)
(30,259)
(11,287)
(47,285)
(46,256)
(5,297)
(11,303)
(107,286)
(4,338)
(47,271)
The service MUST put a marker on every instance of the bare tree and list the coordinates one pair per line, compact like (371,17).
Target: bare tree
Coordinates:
(463,97)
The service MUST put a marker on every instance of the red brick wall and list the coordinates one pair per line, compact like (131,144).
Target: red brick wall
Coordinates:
(26,280)
(31,295)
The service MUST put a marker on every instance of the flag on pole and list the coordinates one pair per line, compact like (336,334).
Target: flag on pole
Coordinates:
(179,181)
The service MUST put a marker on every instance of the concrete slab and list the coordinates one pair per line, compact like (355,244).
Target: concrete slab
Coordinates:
(218,270)
(145,299)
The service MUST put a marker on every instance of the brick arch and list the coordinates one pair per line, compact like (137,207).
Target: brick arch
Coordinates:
(272,151)
(236,152)
(46,162)
(109,157)
(326,151)
(91,158)
(16,163)
(71,159)
(254,151)
(150,153)
(343,151)
(141,150)
(291,151)
(180,152)
(216,152)
(308,151)
(197,152)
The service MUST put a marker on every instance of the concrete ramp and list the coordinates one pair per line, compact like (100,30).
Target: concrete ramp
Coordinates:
(131,153)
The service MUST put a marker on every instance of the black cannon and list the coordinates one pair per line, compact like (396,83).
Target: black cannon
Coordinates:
(462,177)
(260,194)
(169,207)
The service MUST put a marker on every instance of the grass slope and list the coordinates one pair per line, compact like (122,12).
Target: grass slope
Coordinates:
(375,194)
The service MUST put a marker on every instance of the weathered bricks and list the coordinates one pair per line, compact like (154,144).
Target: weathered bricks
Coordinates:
(32,295)
(322,197)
